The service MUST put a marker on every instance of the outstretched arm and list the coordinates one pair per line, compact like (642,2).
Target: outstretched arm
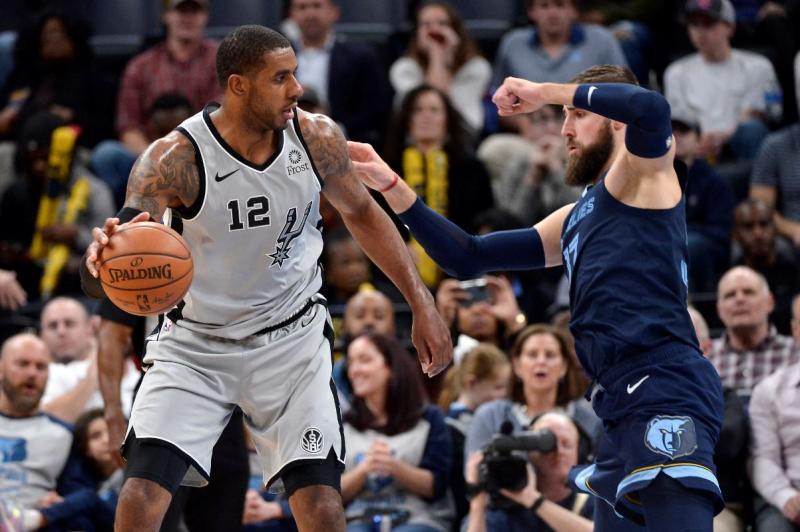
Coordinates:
(645,112)
(376,234)
(457,252)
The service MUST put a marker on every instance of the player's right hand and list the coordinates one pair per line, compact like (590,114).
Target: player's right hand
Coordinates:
(117,427)
(516,96)
(101,236)
(370,168)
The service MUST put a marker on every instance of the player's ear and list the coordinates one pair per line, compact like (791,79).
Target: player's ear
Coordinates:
(238,84)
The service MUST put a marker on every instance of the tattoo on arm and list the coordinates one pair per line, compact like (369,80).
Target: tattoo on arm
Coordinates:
(328,148)
(165,175)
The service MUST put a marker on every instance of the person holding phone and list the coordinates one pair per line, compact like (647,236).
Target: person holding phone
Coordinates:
(484,309)
(442,54)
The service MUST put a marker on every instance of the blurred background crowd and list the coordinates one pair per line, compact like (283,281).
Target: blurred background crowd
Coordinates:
(86,85)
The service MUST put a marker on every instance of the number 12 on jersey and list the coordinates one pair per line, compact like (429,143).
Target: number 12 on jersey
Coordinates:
(570,252)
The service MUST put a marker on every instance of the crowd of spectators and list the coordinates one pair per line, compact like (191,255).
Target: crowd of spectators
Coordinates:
(74,117)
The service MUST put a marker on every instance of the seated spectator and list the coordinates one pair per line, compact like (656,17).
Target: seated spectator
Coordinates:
(73,386)
(54,71)
(709,203)
(185,63)
(398,459)
(347,270)
(443,55)
(368,311)
(47,215)
(556,48)
(101,477)
(495,317)
(112,160)
(36,447)
(731,452)
(348,76)
(482,376)
(546,503)
(429,147)
(776,180)
(732,93)
(755,234)
(527,170)
(546,376)
(775,463)
(750,349)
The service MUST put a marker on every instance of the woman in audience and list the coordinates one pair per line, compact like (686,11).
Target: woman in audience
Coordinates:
(546,376)
(429,147)
(54,71)
(398,447)
(442,54)
(482,375)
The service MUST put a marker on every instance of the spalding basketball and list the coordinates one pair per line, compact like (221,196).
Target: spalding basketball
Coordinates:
(146,268)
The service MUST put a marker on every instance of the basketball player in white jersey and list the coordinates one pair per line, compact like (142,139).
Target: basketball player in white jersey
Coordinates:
(252,330)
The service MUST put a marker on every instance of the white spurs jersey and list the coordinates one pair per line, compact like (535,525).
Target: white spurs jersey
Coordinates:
(254,232)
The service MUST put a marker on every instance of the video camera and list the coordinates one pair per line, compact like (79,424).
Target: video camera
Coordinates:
(505,467)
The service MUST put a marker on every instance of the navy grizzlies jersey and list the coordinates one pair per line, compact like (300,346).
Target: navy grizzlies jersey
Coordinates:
(627,269)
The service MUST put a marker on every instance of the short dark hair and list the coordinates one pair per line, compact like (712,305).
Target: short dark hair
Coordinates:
(606,74)
(243,49)
(169,101)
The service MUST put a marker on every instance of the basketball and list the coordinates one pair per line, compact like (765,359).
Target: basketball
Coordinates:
(146,268)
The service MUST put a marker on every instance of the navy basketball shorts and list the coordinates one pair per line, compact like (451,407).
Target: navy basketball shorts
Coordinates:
(661,414)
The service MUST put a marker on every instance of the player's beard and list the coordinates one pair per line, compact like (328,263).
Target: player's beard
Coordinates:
(585,168)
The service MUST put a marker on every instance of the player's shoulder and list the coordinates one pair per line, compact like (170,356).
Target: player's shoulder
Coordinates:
(174,144)
(315,124)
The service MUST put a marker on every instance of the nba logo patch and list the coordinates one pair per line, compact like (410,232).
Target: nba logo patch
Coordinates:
(312,440)
(672,436)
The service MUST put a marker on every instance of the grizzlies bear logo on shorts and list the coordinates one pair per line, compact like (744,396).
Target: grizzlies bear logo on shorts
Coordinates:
(671,436)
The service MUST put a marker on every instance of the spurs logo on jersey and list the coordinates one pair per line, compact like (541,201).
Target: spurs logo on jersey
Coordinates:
(312,440)
(289,233)
(255,237)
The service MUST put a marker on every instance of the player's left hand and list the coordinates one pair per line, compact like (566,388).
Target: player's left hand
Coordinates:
(432,340)
(516,96)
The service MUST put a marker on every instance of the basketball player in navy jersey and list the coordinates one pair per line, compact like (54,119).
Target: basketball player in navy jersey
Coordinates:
(623,245)
(252,331)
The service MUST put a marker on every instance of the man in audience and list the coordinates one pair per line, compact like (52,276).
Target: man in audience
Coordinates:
(185,63)
(709,203)
(557,48)
(730,454)
(347,76)
(776,179)
(72,387)
(33,448)
(750,348)
(546,502)
(755,233)
(733,93)
(775,465)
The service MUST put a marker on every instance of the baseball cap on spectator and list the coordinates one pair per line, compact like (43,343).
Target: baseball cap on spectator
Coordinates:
(175,4)
(718,10)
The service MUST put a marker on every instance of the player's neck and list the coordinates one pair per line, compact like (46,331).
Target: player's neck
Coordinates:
(255,145)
